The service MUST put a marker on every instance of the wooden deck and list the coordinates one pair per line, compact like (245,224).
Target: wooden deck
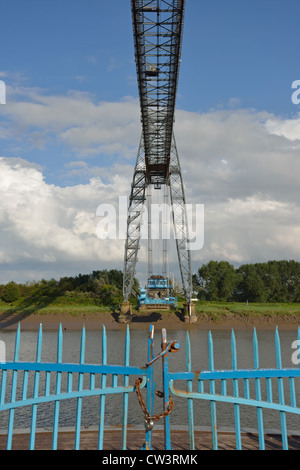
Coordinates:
(135,440)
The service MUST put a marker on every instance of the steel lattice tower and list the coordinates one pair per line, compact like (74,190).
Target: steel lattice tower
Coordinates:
(157,28)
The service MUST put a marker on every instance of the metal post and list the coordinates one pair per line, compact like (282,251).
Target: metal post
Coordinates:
(134,220)
(150,387)
(150,261)
(165,232)
(166,396)
(180,222)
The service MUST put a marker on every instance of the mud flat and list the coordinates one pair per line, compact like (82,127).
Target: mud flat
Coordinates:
(168,320)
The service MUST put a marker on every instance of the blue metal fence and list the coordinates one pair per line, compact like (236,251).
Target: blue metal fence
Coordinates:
(237,377)
(233,387)
(21,370)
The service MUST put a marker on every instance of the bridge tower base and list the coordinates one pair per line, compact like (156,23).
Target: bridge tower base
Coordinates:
(189,314)
(125,315)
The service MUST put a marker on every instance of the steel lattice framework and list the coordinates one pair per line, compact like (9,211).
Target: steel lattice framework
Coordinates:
(157,28)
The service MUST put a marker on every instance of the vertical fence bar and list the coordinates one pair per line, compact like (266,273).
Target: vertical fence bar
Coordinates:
(102,397)
(70,382)
(292,386)
(3,386)
(223,387)
(246,389)
(281,392)
(114,380)
(92,381)
(125,395)
(47,383)
(292,380)
(298,337)
(292,391)
(80,388)
(260,424)
(13,390)
(25,385)
(57,389)
(236,394)
(212,390)
(269,390)
(166,396)
(200,386)
(36,389)
(188,356)
(150,387)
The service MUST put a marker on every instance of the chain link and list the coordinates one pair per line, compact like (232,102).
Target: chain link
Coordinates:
(149,418)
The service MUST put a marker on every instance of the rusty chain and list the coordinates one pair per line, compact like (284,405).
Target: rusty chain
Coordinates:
(149,418)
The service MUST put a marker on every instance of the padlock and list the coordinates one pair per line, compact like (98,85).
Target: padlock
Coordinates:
(149,424)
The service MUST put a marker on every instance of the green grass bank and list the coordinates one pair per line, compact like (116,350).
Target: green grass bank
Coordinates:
(213,311)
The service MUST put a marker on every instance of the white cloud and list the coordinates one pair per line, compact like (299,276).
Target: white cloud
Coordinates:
(43,223)
(288,128)
(76,120)
(247,178)
(257,161)
(234,102)
(252,229)
(242,165)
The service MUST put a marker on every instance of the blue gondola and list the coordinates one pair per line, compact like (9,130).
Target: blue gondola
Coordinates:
(156,294)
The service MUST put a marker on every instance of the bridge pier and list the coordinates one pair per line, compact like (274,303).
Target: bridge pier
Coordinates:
(189,314)
(125,315)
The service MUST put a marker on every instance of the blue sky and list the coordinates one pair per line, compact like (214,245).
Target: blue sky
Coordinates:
(71,122)
(240,49)
(248,49)
(235,54)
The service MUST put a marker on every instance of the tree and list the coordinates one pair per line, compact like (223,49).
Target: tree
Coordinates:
(11,292)
(251,286)
(217,280)
(109,295)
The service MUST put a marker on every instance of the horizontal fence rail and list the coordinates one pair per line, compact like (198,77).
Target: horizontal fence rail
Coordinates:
(235,398)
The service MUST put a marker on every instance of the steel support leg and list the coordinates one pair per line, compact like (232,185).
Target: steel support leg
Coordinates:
(180,222)
(134,221)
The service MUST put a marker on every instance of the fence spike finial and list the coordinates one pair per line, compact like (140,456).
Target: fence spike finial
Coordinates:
(255,350)
(210,352)
(298,337)
(17,343)
(59,344)
(104,345)
(188,352)
(233,350)
(278,349)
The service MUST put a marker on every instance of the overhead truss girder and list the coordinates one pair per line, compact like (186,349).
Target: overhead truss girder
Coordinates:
(157,26)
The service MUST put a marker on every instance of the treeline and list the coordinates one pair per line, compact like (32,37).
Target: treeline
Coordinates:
(273,281)
(100,287)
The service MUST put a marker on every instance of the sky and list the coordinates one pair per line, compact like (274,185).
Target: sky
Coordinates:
(70,129)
